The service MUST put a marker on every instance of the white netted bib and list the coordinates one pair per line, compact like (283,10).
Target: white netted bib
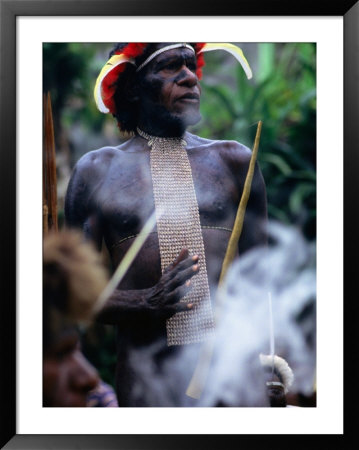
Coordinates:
(178,226)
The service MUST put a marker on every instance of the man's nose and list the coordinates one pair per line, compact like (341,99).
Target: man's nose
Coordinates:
(187,77)
(84,375)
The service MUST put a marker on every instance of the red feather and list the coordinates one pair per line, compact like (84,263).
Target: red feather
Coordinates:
(199,46)
(200,59)
(134,49)
(108,87)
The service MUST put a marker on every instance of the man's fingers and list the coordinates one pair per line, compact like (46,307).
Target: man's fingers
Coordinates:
(180,307)
(182,255)
(183,276)
(179,293)
(182,265)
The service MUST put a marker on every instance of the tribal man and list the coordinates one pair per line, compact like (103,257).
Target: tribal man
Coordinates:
(195,186)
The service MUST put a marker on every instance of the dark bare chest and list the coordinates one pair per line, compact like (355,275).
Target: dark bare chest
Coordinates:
(125,198)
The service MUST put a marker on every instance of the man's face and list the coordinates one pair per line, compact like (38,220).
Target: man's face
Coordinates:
(67,375)
(170,90)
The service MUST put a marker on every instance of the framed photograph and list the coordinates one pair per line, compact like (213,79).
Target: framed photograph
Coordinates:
(25,27)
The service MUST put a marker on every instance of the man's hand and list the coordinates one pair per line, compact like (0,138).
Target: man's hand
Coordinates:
(158,302)
(163,299)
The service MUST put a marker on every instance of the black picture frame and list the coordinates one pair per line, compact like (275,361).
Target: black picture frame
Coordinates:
(9,10)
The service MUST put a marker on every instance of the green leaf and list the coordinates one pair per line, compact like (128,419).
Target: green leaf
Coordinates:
(277,161)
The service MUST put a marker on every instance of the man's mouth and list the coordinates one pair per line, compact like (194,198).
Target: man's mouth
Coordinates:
(191,98)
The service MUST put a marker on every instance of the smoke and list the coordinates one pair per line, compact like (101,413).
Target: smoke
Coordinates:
(286,269)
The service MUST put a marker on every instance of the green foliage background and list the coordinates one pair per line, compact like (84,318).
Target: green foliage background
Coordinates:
(282,93)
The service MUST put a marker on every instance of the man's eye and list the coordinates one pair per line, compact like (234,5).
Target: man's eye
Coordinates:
(192,67)
(64,351)
(66,347)
(176,65)
(61,354)
(170,66)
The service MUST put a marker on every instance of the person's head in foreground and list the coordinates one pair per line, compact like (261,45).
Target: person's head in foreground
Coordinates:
(73,279)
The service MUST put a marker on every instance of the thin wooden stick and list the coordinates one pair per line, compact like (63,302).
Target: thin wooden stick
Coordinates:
(45,209)
(49,175)
(238,223)
(45,219)
(196,384)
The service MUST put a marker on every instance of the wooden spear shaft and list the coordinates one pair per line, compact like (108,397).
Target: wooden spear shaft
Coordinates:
(196,384)
(45,209)
(49,175)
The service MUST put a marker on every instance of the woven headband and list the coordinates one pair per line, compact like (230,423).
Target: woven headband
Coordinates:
(105,83)
(161,50)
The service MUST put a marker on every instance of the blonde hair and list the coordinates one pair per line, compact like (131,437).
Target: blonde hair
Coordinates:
(73,275)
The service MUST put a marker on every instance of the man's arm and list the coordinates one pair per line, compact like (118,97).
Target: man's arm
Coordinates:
(80,208)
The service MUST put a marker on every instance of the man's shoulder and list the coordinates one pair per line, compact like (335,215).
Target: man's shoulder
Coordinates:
(97,155)
(226,148)
(96,160)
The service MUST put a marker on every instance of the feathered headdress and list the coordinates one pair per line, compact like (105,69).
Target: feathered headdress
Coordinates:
(105,86)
